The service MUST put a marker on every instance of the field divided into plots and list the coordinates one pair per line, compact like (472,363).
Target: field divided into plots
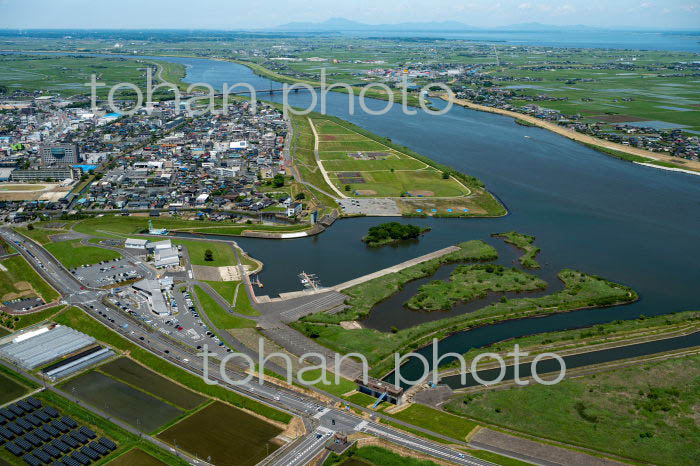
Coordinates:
(361,166)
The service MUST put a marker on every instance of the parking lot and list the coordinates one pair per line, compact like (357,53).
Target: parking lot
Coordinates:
(107,273)
(185,324)
(24,304)
(370,206)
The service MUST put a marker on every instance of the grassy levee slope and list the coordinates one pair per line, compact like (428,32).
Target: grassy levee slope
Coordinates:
(647,412)
(20,280)
(218,315)
(17,322)
(580,291)
(609,334)
(76,318)
(118,226)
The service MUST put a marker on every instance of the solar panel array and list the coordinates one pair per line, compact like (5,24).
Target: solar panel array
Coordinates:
(45,347)
(40,436)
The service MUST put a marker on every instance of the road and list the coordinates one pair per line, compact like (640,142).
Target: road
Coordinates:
(314,414)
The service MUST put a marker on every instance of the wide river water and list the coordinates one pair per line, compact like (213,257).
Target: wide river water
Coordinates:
(631,224)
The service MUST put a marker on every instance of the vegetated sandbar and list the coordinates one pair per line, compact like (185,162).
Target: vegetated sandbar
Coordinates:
(580,291)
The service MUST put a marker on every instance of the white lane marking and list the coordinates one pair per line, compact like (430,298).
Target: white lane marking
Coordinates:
(416,446)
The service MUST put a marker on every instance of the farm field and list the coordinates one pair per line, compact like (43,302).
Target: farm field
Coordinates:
(103,427)
(138,457)
(134,374)
(219,429)
(67,75)
(122,401)
(76,318)
(19,280)
(10,389)
(72,254)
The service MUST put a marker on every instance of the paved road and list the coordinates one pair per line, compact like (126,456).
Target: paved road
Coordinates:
(186,357)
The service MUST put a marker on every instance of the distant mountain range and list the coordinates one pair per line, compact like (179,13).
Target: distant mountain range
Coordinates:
(343,24)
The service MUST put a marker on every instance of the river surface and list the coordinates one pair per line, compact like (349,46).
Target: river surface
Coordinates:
(631,224)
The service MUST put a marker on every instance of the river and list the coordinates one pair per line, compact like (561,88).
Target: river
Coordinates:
(631,224)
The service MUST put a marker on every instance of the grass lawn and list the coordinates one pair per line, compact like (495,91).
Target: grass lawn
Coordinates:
(227,290)
(222,252)
(647,412)
(440,422)
(21,280)
(218,315)
(76,318)
(344,385)
(72,254)
(367,401)
(40,235)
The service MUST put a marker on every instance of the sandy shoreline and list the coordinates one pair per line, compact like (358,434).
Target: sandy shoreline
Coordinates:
(687,166)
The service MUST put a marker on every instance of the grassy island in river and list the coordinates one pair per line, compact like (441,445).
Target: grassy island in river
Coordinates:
(472,282)
(392,232)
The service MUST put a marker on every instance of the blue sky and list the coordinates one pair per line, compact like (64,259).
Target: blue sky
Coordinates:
(236,14)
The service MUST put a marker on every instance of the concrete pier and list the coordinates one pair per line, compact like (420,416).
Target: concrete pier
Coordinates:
(394,268)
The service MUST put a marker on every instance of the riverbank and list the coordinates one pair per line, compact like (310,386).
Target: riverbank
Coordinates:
(604,336)
(653,159)
(644,412)
(411,100)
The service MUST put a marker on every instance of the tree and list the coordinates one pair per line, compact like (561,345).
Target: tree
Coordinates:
(300,196)
(208,255)
(30,226)
(347,187)
(278,180)
(445,175)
